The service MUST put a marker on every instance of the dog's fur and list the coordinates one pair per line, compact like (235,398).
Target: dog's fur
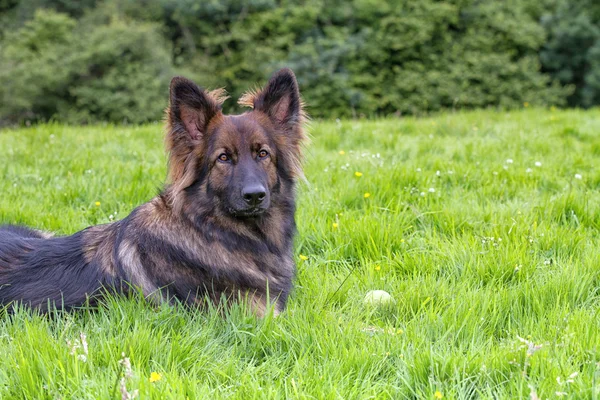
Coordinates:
(222,228)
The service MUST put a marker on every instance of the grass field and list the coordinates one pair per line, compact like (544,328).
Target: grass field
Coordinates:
(483,226)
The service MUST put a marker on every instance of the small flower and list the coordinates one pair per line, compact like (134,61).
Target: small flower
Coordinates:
(367,195)
(73,346)
(531,347)
(303,257)
(358,174)
(125,394)
(578,176)
(438,394)
(431,190)
(97,204)
(528,170)
(155,377)
(378,268)
(126,363)
(518,267)
(335,225)
(342,152)
(538,164)
(526,104)
(509,160)
(84,343)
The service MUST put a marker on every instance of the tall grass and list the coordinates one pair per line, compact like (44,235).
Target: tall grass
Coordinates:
(483,226)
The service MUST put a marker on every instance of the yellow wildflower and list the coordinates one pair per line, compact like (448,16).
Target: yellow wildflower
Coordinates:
(303,257)
(358,174)
(155,377)
(367,195)
(342,152)
(378,268)
(335,225)
(438,394)
(97,204)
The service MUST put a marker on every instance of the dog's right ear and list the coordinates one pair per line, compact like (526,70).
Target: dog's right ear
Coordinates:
(190,108)
(190,112)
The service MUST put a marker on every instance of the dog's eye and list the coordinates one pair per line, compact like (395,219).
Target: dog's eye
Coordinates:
(223,157)
(263,153)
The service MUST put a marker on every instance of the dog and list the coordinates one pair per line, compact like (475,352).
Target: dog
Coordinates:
(221,229)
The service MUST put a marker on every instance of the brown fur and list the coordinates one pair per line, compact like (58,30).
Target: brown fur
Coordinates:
(222,228)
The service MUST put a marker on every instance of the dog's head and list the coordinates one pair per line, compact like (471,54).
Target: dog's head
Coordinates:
(235,162)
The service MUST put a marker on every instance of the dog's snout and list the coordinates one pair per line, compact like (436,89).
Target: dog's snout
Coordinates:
(254,195)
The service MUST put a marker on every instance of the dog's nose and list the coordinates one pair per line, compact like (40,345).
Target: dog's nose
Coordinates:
(254,195)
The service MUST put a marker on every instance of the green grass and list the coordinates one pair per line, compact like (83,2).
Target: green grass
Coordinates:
(487,256)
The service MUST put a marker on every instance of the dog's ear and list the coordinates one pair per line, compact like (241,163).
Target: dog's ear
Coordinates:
(279,99)
(190,111)
(190,108)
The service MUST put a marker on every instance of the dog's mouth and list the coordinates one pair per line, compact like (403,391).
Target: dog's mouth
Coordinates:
(247,213)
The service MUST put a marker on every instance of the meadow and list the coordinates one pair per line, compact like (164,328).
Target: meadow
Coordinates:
(483,226)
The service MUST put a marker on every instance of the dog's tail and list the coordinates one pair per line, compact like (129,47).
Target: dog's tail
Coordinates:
(45,272)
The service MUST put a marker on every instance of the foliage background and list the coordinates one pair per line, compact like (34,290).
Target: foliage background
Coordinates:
(111,60)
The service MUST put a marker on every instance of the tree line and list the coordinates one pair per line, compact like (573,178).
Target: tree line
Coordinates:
(93,60)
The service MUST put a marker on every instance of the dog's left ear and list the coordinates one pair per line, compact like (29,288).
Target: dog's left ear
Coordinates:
(280,100)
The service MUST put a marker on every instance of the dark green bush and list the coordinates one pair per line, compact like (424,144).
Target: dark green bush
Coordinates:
(54,68)
(572,52)
(112,59)
(376,57)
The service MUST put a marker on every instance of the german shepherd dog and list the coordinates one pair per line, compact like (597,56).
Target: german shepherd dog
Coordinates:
(220,230)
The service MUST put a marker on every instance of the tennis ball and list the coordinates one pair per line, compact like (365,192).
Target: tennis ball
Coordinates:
(378,298)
